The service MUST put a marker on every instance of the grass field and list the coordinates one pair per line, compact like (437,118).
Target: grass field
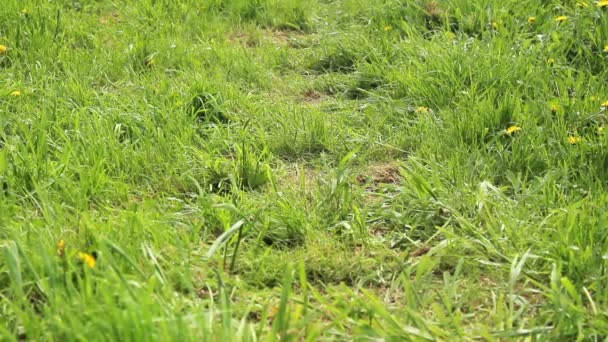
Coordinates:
(303,170)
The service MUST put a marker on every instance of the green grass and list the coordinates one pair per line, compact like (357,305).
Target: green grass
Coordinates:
(303,170)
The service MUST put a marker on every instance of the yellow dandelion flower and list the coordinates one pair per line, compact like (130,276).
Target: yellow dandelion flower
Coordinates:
(88,259)
(551,61)
(16,93)
(561,19)
(531,20)
(3,49)
(573,139)
(554,108)
(605,104)
(513,129)
(602,4)
(387,28)
(422,110)
(61,248)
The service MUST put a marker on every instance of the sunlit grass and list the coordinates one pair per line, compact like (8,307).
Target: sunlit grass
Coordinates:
(290,170)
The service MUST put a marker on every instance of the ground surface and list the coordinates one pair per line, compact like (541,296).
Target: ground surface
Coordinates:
(291,170)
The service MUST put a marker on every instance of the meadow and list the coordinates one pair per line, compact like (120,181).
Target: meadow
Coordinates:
(227,170)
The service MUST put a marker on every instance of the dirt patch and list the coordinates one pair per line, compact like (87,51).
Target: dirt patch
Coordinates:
(379,230)
(380,173)
(312,97)
(110,18)
(243,38)
(279,38)
(378,178)
(254,39)
(420,251)
(298,177)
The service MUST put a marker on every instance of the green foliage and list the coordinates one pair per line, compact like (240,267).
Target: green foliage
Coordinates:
(303,170)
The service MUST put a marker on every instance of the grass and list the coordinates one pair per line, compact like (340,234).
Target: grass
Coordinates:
(303,170)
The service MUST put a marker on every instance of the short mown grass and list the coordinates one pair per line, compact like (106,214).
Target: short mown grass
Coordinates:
(303,170)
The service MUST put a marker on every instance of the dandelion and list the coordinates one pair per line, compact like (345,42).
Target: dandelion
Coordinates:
(61,248)
(3,49)
(88,259)
(605,104)
(513,129)
(16,93)
(561,19)
(531,20)
(422,110)
(554,108)
(573,139)
(602,4)
(551,61)
(387,28)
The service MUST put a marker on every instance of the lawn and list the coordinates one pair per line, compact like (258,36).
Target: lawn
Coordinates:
(227,170)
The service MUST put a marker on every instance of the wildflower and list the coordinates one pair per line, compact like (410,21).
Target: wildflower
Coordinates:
(554,108)
(573,139)
(531,20)
(422,110)
(513,129)
(61,248)
(602,4)
(561,19)
(16,93)
(551,61)
(88,259)
(605,104)
(387,28)
(3,49)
